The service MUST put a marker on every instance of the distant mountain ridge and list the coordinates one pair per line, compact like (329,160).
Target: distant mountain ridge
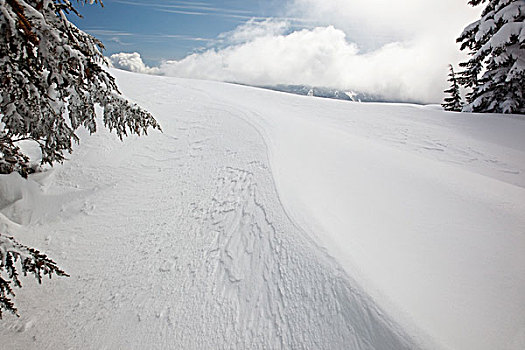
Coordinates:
(326,92)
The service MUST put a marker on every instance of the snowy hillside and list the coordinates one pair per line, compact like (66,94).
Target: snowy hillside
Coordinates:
(261,219)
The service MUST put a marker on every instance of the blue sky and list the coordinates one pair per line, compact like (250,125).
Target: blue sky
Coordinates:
(168,29)
(399,49)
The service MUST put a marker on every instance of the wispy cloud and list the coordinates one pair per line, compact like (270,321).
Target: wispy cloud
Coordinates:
(106,32)
(192,8)
(164,3)
(216,14)
(121,34)
(203,8)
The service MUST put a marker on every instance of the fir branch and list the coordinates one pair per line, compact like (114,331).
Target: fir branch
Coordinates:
(52,78)
(29,260)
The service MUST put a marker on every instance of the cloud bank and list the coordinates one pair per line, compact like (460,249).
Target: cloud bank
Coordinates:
(321,56)
(398,49)
(376,22)
(131,62)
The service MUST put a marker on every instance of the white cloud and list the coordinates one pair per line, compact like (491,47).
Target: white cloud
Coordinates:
(369,22)
(254,29)
(131,62)
(399,48)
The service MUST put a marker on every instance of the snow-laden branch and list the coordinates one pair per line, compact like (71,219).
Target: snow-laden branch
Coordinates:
(29,260)
(52,77)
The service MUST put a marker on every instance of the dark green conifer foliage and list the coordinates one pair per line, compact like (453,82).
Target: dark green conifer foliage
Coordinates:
(52,77)
(30,261)
(453,101)
(495,71)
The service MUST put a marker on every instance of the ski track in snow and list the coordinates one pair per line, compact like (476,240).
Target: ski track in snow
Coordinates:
(179,241)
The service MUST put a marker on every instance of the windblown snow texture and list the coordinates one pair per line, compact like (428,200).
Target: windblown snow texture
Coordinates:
(266,220)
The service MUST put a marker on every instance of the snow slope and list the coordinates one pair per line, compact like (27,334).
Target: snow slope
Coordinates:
(259,219)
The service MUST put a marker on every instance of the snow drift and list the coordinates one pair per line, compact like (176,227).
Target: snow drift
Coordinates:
(259,219)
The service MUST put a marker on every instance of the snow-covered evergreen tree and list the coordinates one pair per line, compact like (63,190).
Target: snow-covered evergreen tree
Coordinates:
(453,101)
(52,77)
(495,72)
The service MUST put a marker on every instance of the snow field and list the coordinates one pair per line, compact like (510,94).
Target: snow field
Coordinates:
(264,220)
(178,240)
